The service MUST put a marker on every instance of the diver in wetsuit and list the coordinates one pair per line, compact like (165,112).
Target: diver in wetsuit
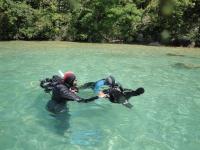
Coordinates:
(114,91)
(122,96)
(63,90)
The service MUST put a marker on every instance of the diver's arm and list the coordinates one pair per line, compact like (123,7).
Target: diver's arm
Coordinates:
(68,95)
(98,85)
(87,85)
(82,100)
(101,95)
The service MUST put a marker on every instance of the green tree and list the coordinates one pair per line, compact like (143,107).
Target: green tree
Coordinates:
(128,21)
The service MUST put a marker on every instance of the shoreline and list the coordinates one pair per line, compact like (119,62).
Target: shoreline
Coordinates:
(100,43)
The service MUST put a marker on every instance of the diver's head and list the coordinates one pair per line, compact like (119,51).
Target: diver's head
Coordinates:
(70,78)
(110,80)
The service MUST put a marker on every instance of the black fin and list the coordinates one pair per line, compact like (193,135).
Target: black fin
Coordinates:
(128,105)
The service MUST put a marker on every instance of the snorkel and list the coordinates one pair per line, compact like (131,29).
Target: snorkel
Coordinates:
(61,73)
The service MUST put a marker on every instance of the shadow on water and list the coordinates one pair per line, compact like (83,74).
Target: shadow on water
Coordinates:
(186,66)
(62,122)
(58,123)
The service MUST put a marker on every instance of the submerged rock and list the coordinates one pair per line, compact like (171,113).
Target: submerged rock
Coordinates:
(186,66)
(180,55)
(171,54)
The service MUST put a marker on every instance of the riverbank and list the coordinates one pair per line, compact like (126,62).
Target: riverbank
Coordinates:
(156,45)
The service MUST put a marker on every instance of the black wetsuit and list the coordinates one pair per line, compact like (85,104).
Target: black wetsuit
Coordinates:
(61,94)
(119,95)
(116,95)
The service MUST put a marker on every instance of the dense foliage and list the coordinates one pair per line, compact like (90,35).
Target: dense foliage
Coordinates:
(174,22)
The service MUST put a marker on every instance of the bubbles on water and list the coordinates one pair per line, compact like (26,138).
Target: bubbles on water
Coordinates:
(182,109)
(150,143)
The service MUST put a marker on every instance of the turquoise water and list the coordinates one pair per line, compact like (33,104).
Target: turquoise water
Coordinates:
(166,117)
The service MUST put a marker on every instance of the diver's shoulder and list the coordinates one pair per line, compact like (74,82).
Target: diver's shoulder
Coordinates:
(61,86)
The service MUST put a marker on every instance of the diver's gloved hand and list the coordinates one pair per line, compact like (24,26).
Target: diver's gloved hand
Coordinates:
(102,95)
(74,89)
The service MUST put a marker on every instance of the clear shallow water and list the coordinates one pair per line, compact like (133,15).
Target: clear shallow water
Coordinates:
(166,117)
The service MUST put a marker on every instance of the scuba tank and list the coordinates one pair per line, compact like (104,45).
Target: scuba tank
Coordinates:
(48,83)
